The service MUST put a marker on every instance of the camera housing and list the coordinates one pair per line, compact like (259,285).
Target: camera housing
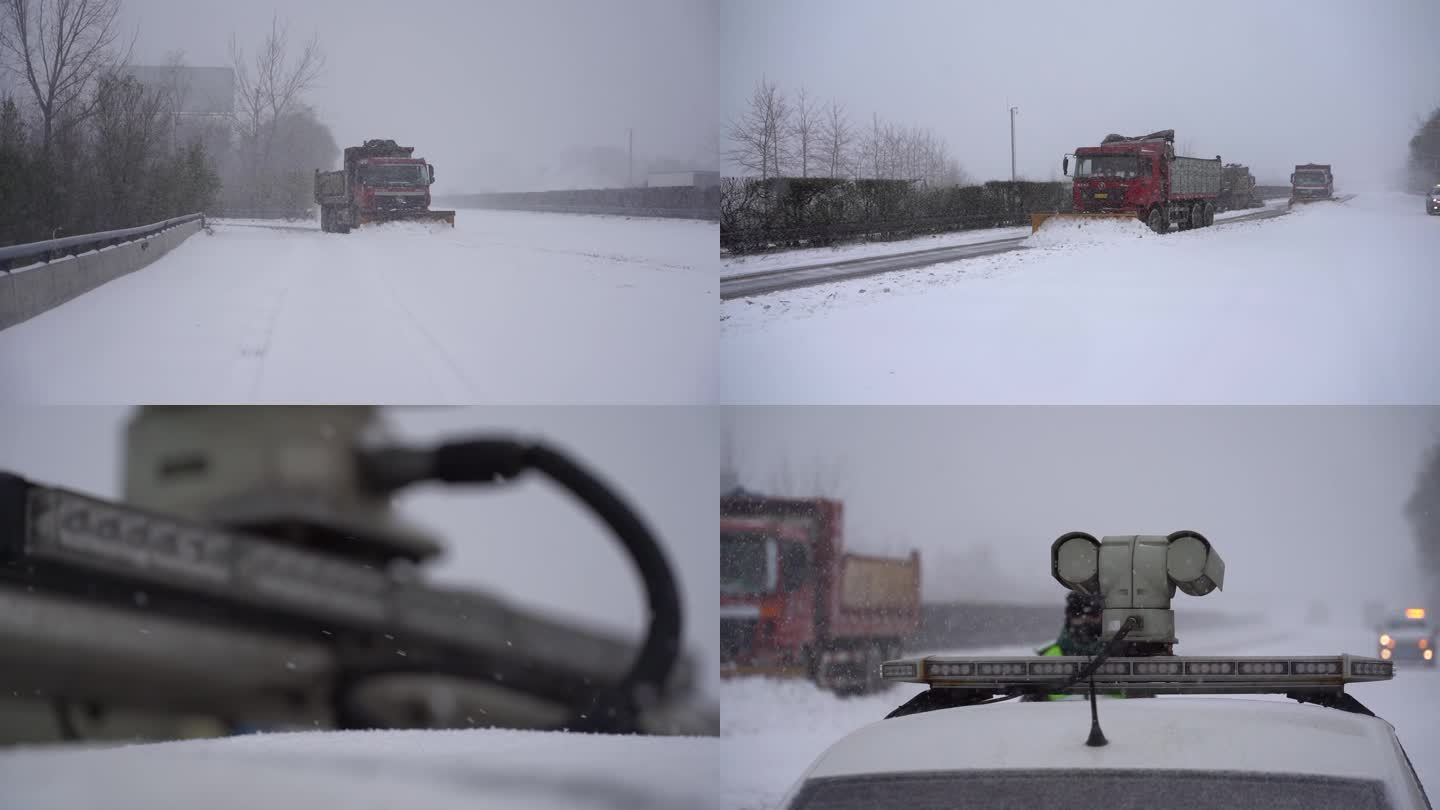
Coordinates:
(1137,575)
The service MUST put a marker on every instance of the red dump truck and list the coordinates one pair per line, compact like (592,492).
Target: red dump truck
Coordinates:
(381,181)
(794,603)
(1142,177)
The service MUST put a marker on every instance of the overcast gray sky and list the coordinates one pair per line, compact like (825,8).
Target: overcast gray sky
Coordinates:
(530,543)
(1269,84)
(488,90)
(1303,503)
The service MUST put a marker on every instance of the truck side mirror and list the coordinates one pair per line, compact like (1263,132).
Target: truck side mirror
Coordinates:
(1292,179)
(1065,166)
(432,173)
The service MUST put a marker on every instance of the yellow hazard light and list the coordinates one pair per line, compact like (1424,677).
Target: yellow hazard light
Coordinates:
(1414,613)
(1385,654)
(1424,643)
(1429,654)
(1385,640)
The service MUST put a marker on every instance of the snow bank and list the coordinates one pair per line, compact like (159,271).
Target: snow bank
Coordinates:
(1067,232)
(741,265)
(506,307)
(381,770)
(1333,303)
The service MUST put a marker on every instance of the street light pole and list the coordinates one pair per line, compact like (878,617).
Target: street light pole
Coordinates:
(1013,110)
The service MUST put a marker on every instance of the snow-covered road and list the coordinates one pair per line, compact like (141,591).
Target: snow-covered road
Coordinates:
(1332,302)
(436,770)
(773,730)
(507,307)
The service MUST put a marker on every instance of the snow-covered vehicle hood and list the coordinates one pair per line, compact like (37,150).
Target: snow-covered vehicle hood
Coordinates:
(436,770)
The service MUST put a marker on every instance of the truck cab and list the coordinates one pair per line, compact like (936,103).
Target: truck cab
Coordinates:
(794,603)
(767,594)
(1312,181)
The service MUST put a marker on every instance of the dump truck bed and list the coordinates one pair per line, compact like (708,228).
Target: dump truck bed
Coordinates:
(877,596)
(1192,178)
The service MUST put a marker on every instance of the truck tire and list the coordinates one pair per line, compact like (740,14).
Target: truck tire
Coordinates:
(1157,221)
(343,226)
(325,225)
(1209,215)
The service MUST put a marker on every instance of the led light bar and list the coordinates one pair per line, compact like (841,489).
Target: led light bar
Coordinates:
(1153,675)
(67,529)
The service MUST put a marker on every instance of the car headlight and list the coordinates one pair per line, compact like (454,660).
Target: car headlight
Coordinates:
(1386,640)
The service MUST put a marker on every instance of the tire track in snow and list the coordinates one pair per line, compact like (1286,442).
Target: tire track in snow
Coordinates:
(418,325)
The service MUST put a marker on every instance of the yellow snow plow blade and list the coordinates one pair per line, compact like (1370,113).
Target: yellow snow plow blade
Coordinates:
(1036,220)
(447,217)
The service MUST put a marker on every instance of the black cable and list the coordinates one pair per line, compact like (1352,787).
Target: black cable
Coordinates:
(1110,649)
(486,461)
(68,731)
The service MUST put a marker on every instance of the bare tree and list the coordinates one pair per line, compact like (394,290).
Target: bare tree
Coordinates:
(129,124)
(59,49)
(760,137)
(836,139)
(807,132)
(269,90)
(873,148)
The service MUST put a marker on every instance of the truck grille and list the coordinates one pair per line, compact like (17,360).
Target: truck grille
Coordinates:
(1113,198)
(737,638)
(396,202)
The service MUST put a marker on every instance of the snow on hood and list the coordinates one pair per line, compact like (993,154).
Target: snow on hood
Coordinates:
(435,770)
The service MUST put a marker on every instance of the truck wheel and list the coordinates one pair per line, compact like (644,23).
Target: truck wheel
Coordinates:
(1156,220)
(325,219)
(344,226)
(1209,215)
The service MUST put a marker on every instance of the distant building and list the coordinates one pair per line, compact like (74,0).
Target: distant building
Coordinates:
(688,179)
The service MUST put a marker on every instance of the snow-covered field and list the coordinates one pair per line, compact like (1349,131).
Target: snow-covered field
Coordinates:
(773,730)
(436,770)
(507,307)
(1332,302)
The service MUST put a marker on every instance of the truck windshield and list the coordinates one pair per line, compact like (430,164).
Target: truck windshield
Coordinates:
(406,174)
(747,563)
(1310,178)
(1107,166)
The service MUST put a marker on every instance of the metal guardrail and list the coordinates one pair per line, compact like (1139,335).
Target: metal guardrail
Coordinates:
(751,240)
(50,250)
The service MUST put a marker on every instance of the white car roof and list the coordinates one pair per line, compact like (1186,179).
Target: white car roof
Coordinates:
(1183,733)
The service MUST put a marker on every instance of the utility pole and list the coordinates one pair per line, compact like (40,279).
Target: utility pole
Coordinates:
(630,172)
(1013,110)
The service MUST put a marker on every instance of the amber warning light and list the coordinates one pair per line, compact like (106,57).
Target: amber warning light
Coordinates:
(1414,613)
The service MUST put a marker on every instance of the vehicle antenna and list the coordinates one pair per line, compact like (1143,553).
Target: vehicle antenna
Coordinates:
(1097,737)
